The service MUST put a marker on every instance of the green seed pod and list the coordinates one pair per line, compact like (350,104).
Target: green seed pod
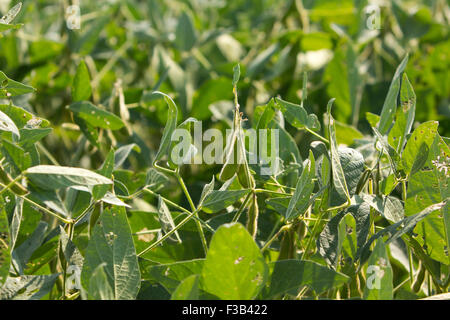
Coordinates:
(287,247)
(301,230)
(417,284)
(252,216)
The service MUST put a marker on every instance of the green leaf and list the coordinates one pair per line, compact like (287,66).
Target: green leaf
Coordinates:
(99,287)
(106,170)
(70,251)
(16,156)
(379,277)
(290,275)
(329,242)
(95,116)
(6,124)
(234,267)
(352,163)
(339,183)
(11,14)
(300,200)
(123,152)
(346,134)
(389,207)
(207,189)
(23,118)
(10,88)
(166,220)
(81,87)
(22,254)
(5,243)
(297,116)
(172,274)
(390,103)
(426,188)
(5,26)
(188,289)
(185,36)
(171,124)
(29,136)
(413,153)
(220,199)
(50,177)
(27,287)
(405,116)
(112,243)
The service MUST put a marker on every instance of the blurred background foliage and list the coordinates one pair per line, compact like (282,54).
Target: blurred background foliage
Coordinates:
(187,49)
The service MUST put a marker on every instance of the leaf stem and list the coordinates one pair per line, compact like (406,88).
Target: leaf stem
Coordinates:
(168,234)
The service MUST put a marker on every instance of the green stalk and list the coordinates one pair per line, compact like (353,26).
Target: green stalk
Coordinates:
(194,210)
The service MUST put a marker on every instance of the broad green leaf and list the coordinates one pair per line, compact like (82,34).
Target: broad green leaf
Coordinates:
(329,242)
(218,200)
(89,131)
(10,88)
(379,275)
(185,36)
(5,243)
(338,175)
(346,134)
(6,124)
(390,103)
(50,177)
(170,275)
(398,229)
(297,116)
(287,275)
(171,124)
(414,149)
(16,156)
(95,116)
(99,287)
(234,267)
(188,289)
(81,87)
(424,189)
(389,207)
(111,243)
(352,163)
(29,287)
(23,118)
(29,136)
(300,200)
(22,254)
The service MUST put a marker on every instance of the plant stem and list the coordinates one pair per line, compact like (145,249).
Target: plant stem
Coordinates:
(9,185)
(242,207)
(194,210)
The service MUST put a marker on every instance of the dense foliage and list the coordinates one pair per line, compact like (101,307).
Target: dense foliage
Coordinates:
(92,208)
